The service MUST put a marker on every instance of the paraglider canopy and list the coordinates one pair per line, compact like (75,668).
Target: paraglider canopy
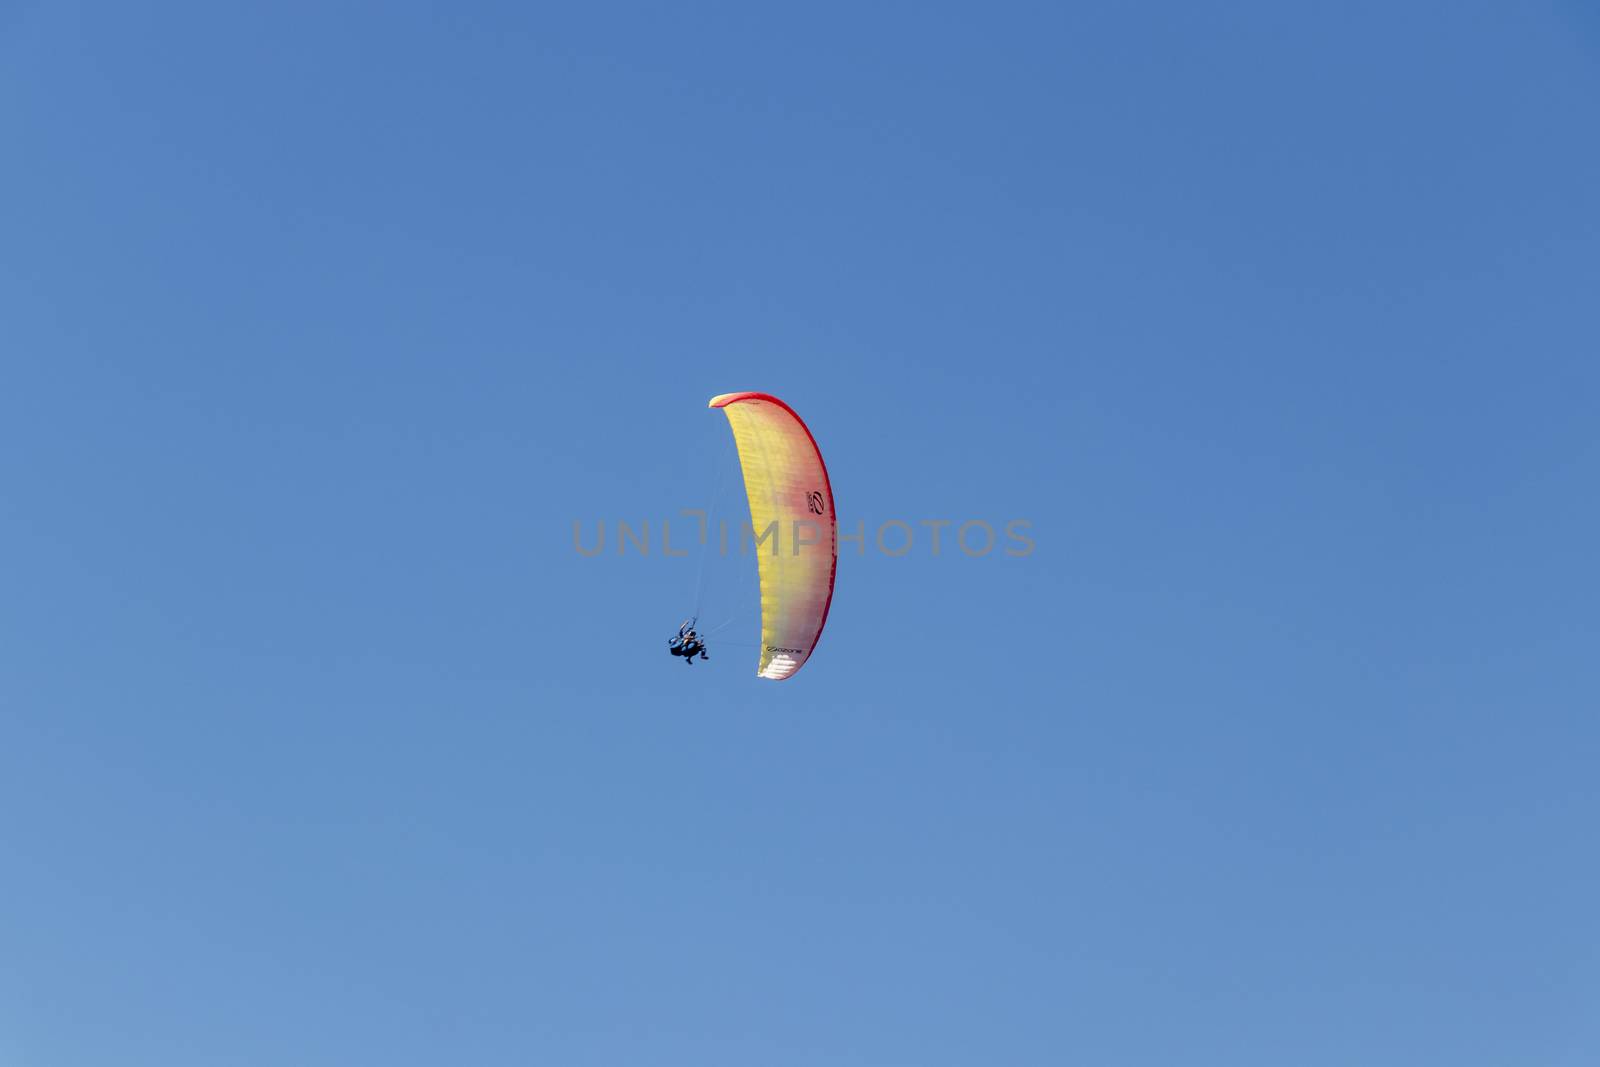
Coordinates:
(793,525)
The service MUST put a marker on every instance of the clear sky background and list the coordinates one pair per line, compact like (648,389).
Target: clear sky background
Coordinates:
(320,323)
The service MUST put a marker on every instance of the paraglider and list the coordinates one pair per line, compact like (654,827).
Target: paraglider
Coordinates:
(795,532)
(687,644)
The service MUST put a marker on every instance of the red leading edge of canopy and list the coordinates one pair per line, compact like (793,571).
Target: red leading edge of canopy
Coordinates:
(733,398)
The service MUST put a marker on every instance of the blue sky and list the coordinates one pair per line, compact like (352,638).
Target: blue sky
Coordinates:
(321,323)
